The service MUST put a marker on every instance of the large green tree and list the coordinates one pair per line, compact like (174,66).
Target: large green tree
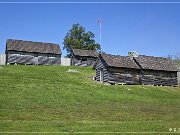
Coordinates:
(78,38)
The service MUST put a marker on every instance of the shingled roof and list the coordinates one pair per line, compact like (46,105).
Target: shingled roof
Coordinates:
(146,62)
(155,63)
(119,61)
(30,46)
(87,53)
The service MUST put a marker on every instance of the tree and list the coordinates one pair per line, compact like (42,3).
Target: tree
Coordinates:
(77,38)
(175,59)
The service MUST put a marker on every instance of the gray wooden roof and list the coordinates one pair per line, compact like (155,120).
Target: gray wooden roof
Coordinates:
(30,46)
(119,61)
(156,63)
(146,62)
(86,53)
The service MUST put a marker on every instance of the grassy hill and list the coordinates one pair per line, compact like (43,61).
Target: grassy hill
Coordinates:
(48,98)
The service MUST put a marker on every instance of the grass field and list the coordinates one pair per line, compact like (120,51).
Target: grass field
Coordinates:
(50,99)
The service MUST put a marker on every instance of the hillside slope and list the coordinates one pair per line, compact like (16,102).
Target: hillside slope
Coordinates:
(48,98)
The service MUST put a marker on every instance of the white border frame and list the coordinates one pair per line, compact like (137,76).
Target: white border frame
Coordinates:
(89,2)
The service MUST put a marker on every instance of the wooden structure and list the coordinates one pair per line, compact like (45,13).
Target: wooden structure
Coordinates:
(32,53)
(178,75)
(2,59)
(147,70)
(65,61)
(83,57)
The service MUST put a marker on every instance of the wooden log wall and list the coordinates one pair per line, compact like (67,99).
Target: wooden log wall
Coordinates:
(123,75)
(12,59)
(77,61)
(166,81)
(159,77)
(150,77)
(100,66)
(31,60)
(134,76)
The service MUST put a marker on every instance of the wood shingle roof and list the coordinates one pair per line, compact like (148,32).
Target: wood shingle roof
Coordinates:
(145,62)
(30,46)
(85,53)
(119,61)
(155,63)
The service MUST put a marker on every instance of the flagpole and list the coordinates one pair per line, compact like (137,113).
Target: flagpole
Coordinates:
(100,37)
(100,32)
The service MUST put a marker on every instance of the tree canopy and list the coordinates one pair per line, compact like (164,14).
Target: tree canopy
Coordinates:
(78,38)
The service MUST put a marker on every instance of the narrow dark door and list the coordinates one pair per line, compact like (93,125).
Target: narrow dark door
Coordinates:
(101,75)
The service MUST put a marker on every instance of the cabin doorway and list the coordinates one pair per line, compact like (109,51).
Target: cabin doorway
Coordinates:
(101,75)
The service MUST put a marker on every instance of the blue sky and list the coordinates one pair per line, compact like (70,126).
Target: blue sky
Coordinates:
(149,29)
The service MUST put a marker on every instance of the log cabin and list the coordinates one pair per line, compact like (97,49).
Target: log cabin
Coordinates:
(81,57)
(32,53)
(147,70)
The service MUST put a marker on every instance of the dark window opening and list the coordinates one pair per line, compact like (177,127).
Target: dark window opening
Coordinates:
(35,54)
(83,59)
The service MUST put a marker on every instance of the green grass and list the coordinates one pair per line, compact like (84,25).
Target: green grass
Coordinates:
(49,99)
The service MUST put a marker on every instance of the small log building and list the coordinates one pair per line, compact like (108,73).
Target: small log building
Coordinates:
(147,70)
(81,57)
(32,53)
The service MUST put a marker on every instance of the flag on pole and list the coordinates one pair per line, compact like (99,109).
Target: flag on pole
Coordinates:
(100,21)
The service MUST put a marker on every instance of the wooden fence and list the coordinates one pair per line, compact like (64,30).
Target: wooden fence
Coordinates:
(65,61)
(2,59)
(178,75)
